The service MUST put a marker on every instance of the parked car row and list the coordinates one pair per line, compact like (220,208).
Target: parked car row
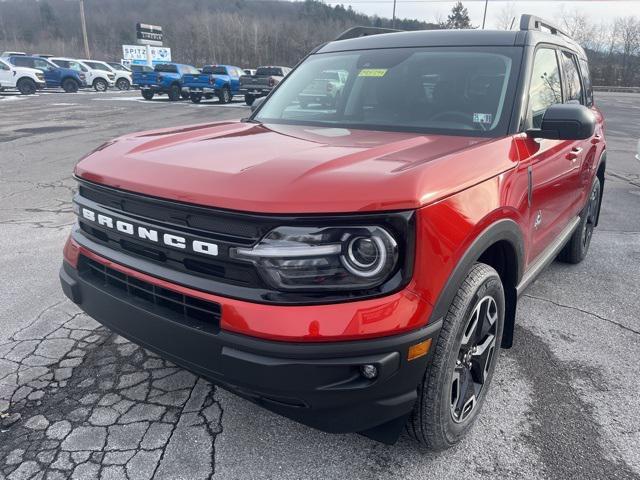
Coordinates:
(29,73)
(221,81)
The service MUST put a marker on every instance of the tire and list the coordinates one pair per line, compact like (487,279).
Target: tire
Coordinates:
(196,97)
(438,420)
(26,86)
(208,96)
(123,84)
(225,96)
(69,85)
(174,93)
(100,85)
(577,247)
(147,94)
(249,99)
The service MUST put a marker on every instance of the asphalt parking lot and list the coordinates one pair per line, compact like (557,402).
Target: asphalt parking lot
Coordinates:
(77,401)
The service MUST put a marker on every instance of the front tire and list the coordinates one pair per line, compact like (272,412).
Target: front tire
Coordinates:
(174,93)
(196,97)
(26,86)
(100,85)
(577,247)
(147,94)
(70,85)
(456,382)
(225,96)
(249,99)
(123,84)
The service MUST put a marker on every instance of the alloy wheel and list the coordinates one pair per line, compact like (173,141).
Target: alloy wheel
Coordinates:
(592,215)
(475,358)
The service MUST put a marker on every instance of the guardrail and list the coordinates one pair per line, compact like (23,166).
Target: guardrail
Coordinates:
(611,88)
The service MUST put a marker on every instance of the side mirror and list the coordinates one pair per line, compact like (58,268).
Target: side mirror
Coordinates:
(256,103)
(565,121)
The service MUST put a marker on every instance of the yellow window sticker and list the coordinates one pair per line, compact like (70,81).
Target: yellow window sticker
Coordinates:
(372,72)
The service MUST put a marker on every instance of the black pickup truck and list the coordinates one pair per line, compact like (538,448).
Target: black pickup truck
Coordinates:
(260,84)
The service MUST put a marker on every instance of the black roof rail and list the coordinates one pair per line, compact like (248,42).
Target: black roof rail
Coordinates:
(355,32)
(531,22)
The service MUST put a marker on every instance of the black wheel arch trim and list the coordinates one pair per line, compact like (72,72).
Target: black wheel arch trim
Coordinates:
(502,230)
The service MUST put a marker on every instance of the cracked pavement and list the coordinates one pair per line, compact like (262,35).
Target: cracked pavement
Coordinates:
(77,401)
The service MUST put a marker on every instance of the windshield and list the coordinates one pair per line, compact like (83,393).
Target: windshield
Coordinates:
(96,65)
(455,90)
(212,70)
(118,66)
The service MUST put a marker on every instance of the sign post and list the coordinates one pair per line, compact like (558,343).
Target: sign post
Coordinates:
(149,35)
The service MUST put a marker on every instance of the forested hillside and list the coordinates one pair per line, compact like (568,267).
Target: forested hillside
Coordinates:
(244,32)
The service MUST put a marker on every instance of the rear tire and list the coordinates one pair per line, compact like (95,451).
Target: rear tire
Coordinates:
(123,84)
(196,97)
(225,96)
(577,247)
(456,382)
(70,85)
(249,99)
(147,94)
(100,85)
(26,86)
(174,93)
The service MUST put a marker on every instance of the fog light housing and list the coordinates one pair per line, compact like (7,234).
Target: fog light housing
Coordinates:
(369,371)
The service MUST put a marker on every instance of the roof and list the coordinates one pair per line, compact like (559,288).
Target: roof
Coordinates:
(451,38)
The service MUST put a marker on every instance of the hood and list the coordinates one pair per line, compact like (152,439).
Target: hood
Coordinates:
(295,169)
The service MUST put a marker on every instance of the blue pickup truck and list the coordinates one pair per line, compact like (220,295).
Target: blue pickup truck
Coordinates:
(55,77)
(223,81)
(166,78)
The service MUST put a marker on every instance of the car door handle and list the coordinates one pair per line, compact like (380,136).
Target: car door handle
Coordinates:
(596,139)
(574,153)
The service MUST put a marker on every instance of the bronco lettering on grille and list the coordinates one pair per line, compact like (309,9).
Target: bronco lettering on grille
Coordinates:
(150,234)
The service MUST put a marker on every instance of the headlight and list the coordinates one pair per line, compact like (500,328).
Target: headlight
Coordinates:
(323,258)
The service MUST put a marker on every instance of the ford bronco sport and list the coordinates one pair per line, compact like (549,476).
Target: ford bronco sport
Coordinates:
(354,267)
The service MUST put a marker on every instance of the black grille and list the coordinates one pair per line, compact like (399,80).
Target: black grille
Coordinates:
(191,311)
(234,227)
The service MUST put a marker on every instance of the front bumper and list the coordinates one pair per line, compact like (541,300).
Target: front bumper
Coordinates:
(318,384)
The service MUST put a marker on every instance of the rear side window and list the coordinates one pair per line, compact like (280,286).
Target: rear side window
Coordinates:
(573,86)
(163,67)
(586,81)
(214,70)
(22,62)
(269,71)
(545,89)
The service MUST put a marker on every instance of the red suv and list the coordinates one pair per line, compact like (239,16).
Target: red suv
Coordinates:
(355,267)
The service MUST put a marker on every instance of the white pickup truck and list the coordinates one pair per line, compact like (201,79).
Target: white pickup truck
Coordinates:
(26,80)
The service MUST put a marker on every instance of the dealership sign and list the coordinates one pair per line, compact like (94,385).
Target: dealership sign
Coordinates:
(149,34)
(136,54)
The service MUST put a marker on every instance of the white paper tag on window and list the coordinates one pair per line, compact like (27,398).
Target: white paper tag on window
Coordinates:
(485,118)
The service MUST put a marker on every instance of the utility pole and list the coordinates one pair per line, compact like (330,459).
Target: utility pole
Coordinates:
(84,31)
(484,18)
(394,14)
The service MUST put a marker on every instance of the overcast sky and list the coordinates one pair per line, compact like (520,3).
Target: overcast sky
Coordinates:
(430,10)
